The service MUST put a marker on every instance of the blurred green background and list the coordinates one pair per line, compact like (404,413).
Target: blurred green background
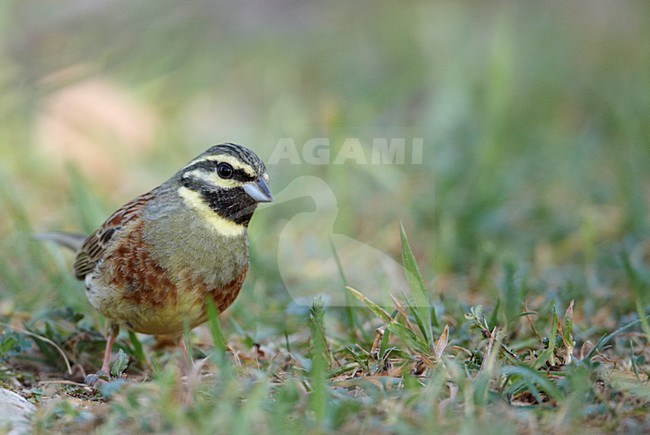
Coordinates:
(534,119)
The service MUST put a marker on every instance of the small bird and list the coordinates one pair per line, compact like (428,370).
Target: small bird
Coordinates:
(154,263)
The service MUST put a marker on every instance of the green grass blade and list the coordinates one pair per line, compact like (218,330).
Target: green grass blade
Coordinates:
(418,319)
(607,338)
(549,353)
(215,330)
(534,381)
(409,337)
(318,370)
(376,309)
(640,287)
(138,352)
(494,318)
(349,311)
(420,296)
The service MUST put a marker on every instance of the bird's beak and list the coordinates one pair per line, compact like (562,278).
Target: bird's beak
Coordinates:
(258,190)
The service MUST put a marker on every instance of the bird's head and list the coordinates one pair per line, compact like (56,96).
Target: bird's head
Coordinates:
(224,185)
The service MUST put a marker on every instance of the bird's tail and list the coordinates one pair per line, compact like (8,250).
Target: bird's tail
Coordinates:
(68,240)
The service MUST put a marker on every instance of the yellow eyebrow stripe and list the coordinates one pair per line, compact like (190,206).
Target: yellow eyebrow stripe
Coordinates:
(211,178)
(232,161)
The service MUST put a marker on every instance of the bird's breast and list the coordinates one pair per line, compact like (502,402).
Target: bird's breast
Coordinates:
(157,277)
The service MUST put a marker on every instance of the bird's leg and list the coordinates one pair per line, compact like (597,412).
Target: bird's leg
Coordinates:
(187,355)
(92,379)
(113,330)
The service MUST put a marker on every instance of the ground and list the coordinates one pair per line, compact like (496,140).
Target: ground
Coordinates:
(519,303)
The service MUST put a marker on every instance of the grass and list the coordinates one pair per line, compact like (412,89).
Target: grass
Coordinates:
(522,237)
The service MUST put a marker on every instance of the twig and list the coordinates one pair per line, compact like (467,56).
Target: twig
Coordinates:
(77,384)
(40,337)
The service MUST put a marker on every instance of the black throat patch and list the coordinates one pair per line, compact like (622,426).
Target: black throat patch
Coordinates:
(232,204)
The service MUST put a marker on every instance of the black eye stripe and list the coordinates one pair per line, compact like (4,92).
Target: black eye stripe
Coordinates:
(240,153)
(241,175)
(211,166)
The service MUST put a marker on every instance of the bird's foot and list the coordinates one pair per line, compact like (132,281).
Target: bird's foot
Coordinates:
(101,377)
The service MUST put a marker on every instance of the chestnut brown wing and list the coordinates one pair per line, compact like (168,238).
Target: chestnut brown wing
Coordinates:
(94,248)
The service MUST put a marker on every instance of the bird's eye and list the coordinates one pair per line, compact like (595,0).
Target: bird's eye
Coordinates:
(224,170)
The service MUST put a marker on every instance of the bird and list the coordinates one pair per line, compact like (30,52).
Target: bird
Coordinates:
(154,263)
